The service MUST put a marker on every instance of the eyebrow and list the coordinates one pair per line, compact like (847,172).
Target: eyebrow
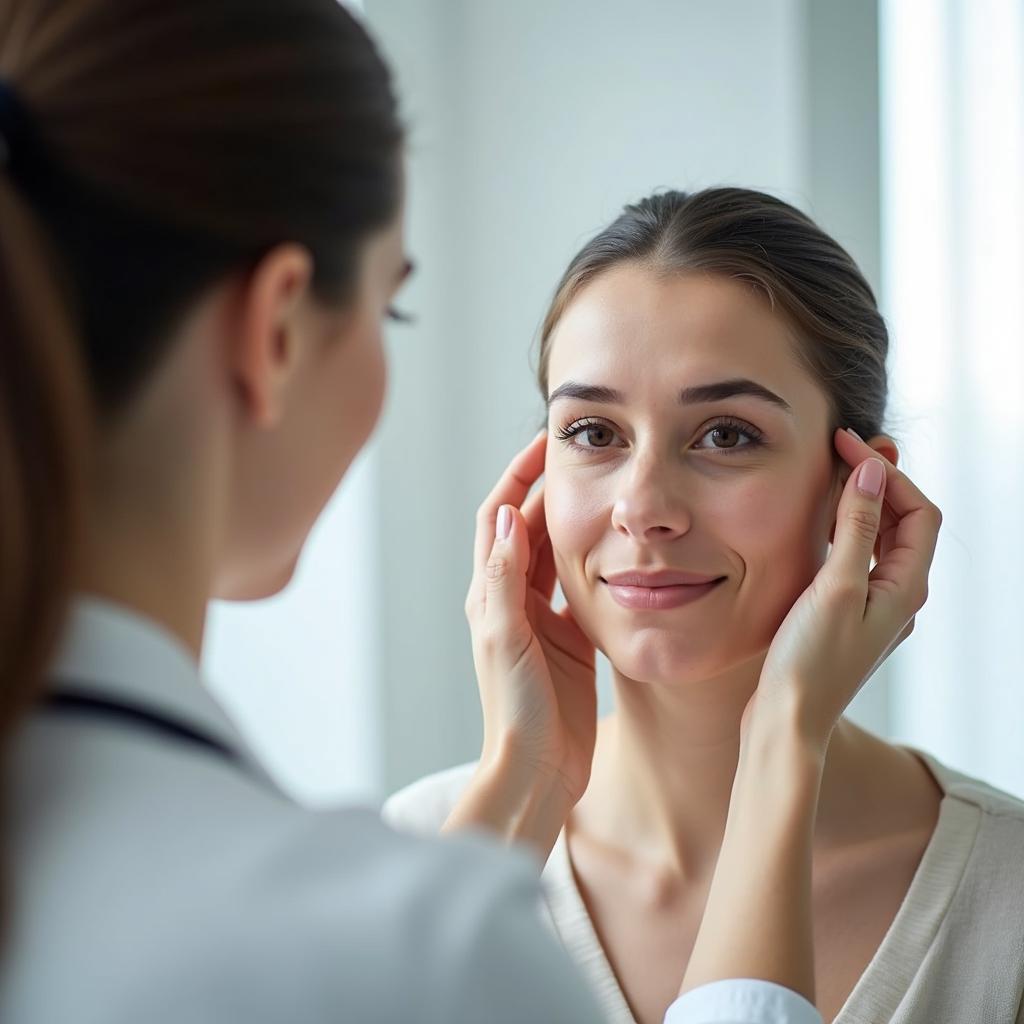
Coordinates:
(730,389)
(701,393)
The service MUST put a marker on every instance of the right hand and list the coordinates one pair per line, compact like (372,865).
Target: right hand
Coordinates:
(862,602)
(845,624)
(534,666)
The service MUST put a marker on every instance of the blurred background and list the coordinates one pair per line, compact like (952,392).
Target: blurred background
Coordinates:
(897,124)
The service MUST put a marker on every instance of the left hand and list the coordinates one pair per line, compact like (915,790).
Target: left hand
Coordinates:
(534,665)
(852,616)
(535,670)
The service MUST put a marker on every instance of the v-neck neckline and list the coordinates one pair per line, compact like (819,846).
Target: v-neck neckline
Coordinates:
(576,929)
(899,955)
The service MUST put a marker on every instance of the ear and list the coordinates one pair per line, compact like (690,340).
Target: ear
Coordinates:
(266,347)
(886,447)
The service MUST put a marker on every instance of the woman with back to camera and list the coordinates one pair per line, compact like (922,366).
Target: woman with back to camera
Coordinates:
(200,231)
(698,361)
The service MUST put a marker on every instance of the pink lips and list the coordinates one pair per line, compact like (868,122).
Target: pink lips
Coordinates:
(657,591)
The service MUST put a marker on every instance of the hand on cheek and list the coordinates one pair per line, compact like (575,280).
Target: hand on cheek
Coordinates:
(852,616)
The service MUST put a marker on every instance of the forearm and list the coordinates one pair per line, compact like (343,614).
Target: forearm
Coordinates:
(514,803)
(757,923)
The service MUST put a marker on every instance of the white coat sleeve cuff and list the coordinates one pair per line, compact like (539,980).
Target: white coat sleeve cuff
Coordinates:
(742,1001)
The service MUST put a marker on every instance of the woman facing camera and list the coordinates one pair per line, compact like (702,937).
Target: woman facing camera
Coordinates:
(698,358)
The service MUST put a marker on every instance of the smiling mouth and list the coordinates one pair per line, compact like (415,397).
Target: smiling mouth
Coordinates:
(640,593)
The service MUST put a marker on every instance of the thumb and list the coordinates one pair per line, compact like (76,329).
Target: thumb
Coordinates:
(857,522)
(505,574)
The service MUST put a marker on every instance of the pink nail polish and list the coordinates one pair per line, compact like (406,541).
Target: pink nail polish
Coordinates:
(871,478)
(850,430)
(504,522)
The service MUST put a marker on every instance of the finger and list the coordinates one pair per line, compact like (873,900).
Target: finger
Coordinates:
(505,621)
(543,575)
(511,489)
(536,522)
(562,632)
(857,521)
(909,532)
(906,557)
(901,494)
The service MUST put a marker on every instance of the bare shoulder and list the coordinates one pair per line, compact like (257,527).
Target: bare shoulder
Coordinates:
(423,806)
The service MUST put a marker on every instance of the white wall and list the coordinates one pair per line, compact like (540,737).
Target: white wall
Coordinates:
(531,123)
(298,672)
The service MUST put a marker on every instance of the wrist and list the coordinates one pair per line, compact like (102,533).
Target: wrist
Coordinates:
(533,768)
(785,722)
(514,799)
(525,782)
(779,754)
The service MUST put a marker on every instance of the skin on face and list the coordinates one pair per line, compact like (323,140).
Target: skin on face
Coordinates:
(310,381)
(740,488)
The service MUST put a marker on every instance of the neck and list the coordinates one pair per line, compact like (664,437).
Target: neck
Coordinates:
(664,769)
(126,564)
(151,531)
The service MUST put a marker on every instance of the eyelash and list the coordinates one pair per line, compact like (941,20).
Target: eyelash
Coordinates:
(399,317)
(755,437)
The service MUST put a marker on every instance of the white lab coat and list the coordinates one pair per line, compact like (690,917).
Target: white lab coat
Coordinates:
(155,880)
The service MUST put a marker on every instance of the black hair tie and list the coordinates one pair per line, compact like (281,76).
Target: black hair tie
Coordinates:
(15,125)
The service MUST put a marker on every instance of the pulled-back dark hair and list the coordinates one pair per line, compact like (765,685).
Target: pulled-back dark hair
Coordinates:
(748,235)
(149,148)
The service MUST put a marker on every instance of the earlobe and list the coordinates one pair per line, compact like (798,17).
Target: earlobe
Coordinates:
(266,347)
(886,447)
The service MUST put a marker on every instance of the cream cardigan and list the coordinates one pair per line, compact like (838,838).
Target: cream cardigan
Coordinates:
(953,955)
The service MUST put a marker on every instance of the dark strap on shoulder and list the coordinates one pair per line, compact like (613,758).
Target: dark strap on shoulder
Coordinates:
(100,709)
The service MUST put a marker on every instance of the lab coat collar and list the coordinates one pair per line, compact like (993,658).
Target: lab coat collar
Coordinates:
(111,652)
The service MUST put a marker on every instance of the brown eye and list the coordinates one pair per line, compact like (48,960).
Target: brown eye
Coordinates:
(725,437)
(589,435)
(599,436)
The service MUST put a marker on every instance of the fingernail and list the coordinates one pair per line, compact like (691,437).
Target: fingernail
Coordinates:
(871,478)
(504,522)
(850,430)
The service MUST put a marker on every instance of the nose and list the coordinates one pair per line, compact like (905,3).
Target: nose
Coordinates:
(645,506)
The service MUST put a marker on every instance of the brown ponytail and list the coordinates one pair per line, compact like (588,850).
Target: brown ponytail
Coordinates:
(149,148)
(44,428)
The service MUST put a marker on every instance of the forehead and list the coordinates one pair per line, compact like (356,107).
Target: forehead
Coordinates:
(649,335)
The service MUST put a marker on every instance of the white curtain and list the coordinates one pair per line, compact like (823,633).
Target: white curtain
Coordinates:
(953,239)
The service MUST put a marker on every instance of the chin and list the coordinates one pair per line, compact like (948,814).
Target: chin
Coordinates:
(258,587)
(647,657)
(661,657)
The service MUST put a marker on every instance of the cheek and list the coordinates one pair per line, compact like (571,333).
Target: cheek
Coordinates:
(762,514)
(779,528)
(339,405)
(345,403)
(577,515)
(360,384)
